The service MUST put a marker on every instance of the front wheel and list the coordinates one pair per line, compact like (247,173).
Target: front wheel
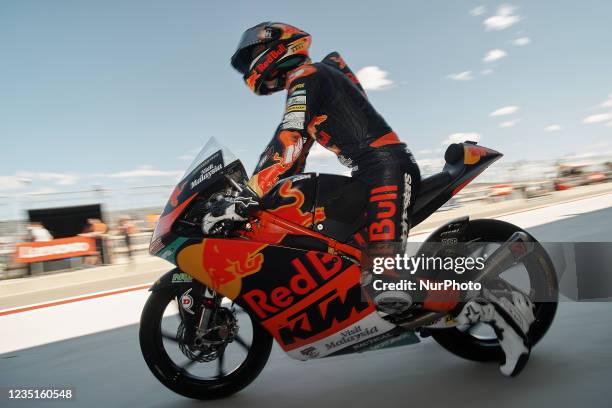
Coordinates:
(534,276)
(204,368)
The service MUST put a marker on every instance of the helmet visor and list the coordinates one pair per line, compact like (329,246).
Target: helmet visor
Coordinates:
(242,58)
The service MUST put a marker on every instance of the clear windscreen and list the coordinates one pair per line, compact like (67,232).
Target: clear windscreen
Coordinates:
(211,147)
(205,172)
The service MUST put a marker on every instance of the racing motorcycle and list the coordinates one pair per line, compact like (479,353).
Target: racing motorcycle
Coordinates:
(292,274)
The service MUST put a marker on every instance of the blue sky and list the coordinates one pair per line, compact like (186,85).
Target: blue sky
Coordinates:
(121,93)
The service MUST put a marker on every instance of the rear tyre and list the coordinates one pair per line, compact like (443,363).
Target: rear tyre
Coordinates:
(177,377)
(543,282)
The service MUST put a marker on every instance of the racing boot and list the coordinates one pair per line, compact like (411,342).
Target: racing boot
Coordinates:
(510,314)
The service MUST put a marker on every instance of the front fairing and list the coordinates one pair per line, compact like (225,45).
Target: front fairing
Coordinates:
(204,176)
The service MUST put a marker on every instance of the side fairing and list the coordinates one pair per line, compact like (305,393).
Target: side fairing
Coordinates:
(310,301)
(329,204)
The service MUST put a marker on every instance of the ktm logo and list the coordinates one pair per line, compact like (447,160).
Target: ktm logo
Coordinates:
(306,311)
(332,308)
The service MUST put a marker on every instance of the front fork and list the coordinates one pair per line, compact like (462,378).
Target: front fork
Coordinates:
(197,306)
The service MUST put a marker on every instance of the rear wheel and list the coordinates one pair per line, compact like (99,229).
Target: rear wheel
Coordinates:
(201,369)
(535,276)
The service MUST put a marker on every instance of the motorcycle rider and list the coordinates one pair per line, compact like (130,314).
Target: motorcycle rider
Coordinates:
(327,104)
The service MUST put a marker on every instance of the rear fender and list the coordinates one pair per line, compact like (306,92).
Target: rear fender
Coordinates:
(451,232)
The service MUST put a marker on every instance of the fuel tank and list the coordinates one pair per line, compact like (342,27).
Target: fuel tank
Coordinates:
(329,204)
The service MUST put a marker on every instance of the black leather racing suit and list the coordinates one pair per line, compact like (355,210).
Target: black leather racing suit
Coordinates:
(326,104)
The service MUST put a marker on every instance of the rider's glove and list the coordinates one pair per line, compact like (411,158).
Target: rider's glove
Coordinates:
(230,209)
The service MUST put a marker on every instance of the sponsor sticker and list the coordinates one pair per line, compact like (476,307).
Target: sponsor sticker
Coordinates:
(181,277)
(296,108)
(387,340)
(271,56)
(351,336)
(294,120)
(187,302)
(294,124)
(296,100)
(310,352)
(206,173)
(298,86)
(294,116)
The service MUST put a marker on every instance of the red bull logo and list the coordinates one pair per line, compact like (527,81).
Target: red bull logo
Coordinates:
(272,55)
(293,211)
(222,263)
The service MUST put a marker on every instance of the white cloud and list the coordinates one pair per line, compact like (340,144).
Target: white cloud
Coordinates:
(11,183)
(430,165)
(521,41)
(486,72)
(373,78)
(506,110)
(607,103)
(494,55)
(143,171)
(461,76)
(597,118)
(461,137)
(41,191)
(504,18)
(62,179)
(553,128)
(23,179)
(509,123)
(478,11)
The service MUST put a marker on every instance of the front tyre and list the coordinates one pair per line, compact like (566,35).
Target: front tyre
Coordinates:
(200,373)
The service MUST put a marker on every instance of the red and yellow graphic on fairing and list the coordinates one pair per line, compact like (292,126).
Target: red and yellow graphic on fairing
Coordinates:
(175,194)
(222,263)
(293,211)
(472,154)
(164,224)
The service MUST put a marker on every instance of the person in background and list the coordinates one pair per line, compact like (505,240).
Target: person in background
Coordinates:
(127,228)
(38,233)
(96,229)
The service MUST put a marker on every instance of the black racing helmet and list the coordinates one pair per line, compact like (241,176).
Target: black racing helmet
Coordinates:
(267,51)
